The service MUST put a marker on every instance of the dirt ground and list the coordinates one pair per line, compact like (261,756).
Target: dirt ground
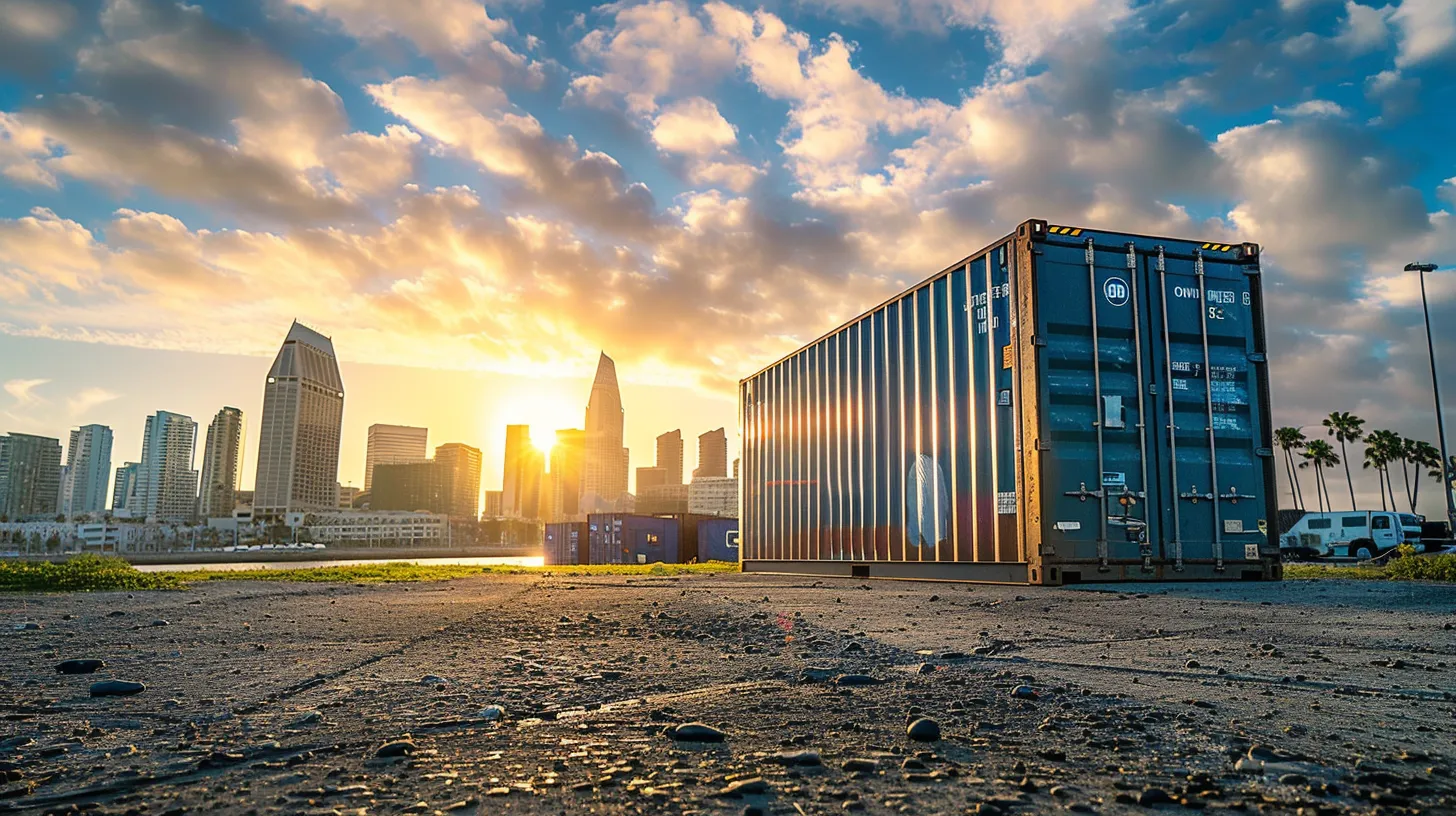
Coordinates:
(1310,697)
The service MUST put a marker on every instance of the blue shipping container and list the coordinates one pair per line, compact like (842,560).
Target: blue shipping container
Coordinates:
(624,538)
(565,543)
(718,539)
(1065,405)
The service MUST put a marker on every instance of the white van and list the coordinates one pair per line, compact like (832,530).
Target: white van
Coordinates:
(1361,535)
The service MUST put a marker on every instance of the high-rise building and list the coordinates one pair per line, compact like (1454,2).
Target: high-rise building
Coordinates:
(222,465)
(521,483)
(166,486)
(30,477)
(407,486)
(88,463)
(347,495)
(298,437)
(670,456)
(566,466)
(123,493)
(662,500)
(714,496)
(393,443)
(604,464)
(492,507)
(650,477)
(712,454)
(459,466)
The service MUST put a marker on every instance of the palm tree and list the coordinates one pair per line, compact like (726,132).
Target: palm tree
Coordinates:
(1290,440)
(1423,455)
(1345,427)
(1319,454)
(1382,448)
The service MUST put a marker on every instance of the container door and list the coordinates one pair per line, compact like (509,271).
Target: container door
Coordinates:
(1098,427)
(1210,467)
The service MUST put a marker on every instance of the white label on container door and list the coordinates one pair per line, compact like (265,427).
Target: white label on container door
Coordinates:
(1068,526)
(1111,479)
(1006,503)
(1233,525)
(1251,552)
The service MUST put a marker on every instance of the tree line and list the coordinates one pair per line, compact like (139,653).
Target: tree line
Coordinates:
(1383,449)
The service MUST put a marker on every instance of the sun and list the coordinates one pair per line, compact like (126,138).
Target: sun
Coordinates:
(543,437)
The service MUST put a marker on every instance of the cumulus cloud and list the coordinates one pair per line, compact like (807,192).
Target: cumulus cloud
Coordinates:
(31,32)
(1313,107)
(1427,29)
(693,126)
(652,50)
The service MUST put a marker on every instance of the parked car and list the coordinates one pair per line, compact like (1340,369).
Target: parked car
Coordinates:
(1360,534)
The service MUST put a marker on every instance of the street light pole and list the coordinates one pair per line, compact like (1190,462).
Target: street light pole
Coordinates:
(1422,269)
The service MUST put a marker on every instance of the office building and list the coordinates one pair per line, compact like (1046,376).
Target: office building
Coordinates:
(409,486)
(566,467)
(166,486)
(493,504)
(347,496)
(670,456)
(735,467)
(222,465)
(88,471)
(713,496)
(298,437)
(30,477)
(663,499)
(459,467)
(390,444)
(650,477)
(123,493)
(521,482)
(375,528)
(604,463)
(712,454)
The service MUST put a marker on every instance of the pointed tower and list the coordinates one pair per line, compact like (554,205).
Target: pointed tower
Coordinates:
(303,414)
(604,465)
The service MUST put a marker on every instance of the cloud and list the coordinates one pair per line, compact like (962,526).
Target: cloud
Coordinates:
(1313,107)
(33,34)
(693,126)
(23,391)
(88,398)
(652,50)
(1427,29)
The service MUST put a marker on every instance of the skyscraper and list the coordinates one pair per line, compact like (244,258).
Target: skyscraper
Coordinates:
(123,493)
(649,478)
(222,465)
(712,454)
(604,464)
(566,465)
(30,476)
(393,443)
(492,507)
(88,458)
(459,466)
(298,438)
(407,486)
(166,486)
(670,456)
(521,482)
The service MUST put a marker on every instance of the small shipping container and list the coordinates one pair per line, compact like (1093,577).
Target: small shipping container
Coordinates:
(718,539)
(565,543)
(1065,405)
(625,538)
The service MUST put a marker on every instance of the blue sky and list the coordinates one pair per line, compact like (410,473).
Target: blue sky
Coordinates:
(501,189)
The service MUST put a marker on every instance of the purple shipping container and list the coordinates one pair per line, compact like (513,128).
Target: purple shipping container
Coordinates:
(565,543)
(622,538)
(718,539)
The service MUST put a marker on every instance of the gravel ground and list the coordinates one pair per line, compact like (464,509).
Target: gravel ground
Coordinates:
(551,695)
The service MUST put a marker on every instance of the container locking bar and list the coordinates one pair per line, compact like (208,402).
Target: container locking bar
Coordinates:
(1208,405)
(1142,425)
(1102,565)
(1172,415)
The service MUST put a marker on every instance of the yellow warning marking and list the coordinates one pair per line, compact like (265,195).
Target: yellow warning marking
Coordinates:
(1064,230)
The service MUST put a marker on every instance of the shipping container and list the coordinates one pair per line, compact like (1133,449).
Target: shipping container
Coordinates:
(1065,405)
(565,543)
(625,538)
(718,539)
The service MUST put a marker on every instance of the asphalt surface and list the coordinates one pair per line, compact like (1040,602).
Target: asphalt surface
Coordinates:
(1303,697)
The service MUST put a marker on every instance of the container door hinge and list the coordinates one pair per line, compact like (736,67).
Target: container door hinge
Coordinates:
(1267,453)
(1039,342)
(1252,271)
(1258,357)
(1042,445)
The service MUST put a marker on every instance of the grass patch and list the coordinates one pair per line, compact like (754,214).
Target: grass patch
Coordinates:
(1440,568)
(84,573)
(95,573)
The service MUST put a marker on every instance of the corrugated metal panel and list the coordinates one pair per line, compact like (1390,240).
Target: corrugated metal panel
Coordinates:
(622,538)
(1047,410)
(565,543)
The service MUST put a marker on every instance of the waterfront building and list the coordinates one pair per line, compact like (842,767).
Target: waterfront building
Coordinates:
(566,468)
(166,485)
(605,460)
(459,465)
(222,465)
(662,499)
(650,477)
(521,481)
(347,496)
(413,486)
(88,471)
(493,504)
(30,477)
(298,437)
(123,492)
(713,496)
(670,456)
(712,454)
(390,444)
